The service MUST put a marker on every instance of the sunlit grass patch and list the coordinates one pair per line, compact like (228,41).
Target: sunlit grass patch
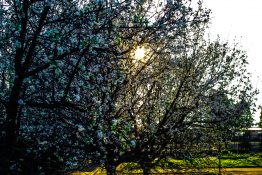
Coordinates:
(188,166)
(98,170)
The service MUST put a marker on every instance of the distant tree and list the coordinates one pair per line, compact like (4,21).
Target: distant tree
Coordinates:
(260,118)
(230,117)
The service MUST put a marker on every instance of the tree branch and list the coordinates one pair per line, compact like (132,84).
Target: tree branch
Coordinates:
(55,105)
(29,56)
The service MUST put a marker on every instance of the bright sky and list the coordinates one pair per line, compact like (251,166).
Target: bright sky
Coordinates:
(241,20)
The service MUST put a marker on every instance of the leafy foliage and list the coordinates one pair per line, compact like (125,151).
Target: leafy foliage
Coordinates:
(73,93)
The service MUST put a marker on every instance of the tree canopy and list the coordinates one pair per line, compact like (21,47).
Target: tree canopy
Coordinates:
(73,91)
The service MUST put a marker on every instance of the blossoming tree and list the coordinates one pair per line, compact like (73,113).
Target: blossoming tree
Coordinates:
(72,89)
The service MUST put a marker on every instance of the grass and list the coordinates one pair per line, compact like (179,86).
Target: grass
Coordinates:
(227,161)
(207,164)
(242,161)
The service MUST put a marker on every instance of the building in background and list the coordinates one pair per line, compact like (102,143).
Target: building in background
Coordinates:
(247,141)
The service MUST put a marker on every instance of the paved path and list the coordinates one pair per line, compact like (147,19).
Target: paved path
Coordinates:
(243,171)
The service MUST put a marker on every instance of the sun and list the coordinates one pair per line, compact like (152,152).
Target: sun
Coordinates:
(139,53)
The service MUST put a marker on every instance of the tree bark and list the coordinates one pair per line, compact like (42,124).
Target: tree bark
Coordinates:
(219,159)
(111,169)
(146,169)
(10,128)
(110,162)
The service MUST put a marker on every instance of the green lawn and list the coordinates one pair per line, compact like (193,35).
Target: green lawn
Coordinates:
(198,164)
(207,164)
(242,160)
(227,161)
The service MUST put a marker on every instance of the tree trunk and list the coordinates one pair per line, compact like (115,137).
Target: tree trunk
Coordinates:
(146,169)
(111,169)
(9,142)
(9,145)
(219,159)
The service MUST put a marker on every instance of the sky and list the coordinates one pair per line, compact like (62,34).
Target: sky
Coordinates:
(241,21)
